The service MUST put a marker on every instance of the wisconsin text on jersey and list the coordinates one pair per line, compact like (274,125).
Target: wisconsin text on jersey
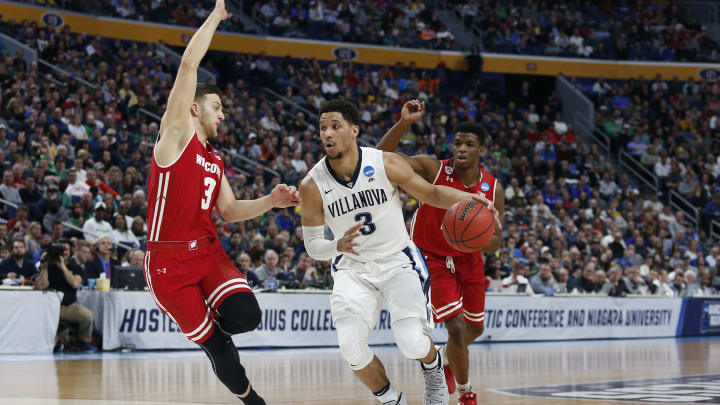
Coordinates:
(361,199)
(213,168)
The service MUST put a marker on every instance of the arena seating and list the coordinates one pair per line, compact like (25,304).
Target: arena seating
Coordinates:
(566,206)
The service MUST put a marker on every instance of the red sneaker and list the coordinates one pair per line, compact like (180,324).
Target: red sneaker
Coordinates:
(449,378)
(468,398)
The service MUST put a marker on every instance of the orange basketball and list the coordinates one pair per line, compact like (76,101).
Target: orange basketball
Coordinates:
(468,226)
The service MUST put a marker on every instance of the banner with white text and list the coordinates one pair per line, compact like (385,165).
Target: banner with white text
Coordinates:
(131,319)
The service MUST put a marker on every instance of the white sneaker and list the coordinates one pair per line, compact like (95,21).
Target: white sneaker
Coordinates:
(436,389)
(400,401)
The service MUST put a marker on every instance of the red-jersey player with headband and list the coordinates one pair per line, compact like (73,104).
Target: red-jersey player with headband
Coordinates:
(457,280)
(186,269)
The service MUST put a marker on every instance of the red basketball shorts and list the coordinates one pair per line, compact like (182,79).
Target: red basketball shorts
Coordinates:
(457,285)
(189,281)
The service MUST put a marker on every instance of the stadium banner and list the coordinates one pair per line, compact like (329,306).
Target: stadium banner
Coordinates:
(28,321)
(702,317)
(331,51)
(131,319)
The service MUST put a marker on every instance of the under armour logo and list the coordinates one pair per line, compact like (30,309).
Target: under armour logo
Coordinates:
(450,179)
(192,245)
(161,270)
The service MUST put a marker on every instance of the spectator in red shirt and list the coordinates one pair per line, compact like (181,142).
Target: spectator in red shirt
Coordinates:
(93,181)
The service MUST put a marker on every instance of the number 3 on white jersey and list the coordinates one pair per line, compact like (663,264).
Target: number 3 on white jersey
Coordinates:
(210,184)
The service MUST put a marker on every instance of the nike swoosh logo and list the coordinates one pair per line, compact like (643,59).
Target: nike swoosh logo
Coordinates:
(328,191)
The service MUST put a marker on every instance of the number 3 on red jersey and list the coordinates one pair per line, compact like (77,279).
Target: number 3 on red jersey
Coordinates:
(210,184)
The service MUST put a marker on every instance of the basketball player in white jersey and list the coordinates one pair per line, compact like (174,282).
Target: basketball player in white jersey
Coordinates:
(355,192)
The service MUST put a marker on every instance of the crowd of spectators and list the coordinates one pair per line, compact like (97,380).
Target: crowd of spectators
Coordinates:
(614,29)
(70,155)
(670,127)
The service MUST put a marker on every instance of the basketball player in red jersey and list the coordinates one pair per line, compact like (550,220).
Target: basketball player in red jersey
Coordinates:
(186,269)
(457,280)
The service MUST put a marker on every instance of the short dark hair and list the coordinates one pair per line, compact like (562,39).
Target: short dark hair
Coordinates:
(203,89)
(471,128)
(344,107)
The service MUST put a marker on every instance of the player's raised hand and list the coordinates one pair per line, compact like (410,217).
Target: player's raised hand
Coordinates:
(283,196)
(347,242)
(412,110)
(220,9)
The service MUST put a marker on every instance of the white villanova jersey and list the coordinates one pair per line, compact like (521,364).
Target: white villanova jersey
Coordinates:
(368,197)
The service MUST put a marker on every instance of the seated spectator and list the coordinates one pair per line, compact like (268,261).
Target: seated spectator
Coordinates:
(135,258)
(269,270)
(617,286)
(96,226)
(543,281)
(242,262)
(585,284)
(512,282)
(706,288)
(103,263)
(66,276)
(304,271)
(678,286)
(121,234)
(17,267)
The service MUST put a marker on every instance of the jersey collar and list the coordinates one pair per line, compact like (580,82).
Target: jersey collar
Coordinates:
(353,180)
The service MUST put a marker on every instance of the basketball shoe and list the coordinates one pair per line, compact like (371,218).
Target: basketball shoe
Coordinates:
(436,390)
(400,401)
(468,398)
(449,376)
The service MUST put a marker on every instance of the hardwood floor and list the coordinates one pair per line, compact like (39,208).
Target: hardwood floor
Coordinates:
(320,376)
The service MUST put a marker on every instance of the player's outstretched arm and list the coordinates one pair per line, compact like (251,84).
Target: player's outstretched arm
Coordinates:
(233,210)
(176,122)
(425,166)
(401,174)
(313,226)
(499,202)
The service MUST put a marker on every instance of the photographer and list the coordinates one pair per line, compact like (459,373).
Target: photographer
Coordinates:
(59,276)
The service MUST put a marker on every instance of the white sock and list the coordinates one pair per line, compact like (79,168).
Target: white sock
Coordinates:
(433,364)
(463,388)
(443,352)
(387,394)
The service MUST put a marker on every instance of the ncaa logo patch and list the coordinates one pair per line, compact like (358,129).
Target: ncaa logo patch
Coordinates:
(485,187)
(695,389)
(368,171)
(448,169)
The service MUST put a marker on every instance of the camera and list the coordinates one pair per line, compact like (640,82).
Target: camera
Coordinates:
(54,252)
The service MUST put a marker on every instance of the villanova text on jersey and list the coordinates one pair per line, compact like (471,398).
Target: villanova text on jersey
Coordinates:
(361,199)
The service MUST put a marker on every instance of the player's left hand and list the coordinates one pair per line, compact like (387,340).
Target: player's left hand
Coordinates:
(220,9)
(412,110)
(284,196)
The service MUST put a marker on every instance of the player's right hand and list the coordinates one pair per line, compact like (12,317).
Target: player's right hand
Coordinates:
(412,111)
(220,9)
(347,242)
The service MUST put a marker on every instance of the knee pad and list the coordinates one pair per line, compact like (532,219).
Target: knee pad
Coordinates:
(239,313)
(410,338)
(226,362)
(353,340)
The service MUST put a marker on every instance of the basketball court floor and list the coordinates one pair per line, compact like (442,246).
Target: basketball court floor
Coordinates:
(630,371)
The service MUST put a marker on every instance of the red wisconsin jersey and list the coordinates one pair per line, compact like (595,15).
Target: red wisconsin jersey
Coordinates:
(426,222)
(182,195)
